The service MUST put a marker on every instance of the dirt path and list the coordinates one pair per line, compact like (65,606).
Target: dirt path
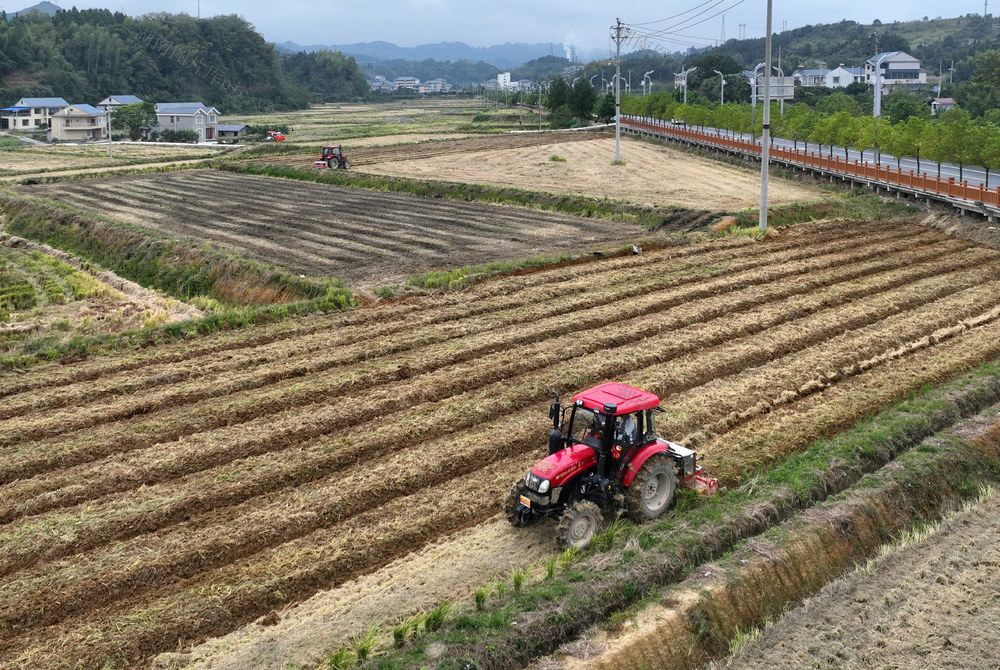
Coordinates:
(447,570)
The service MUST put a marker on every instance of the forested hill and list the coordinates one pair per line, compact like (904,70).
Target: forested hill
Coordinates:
(84,56)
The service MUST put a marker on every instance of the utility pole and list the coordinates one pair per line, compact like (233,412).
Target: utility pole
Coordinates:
(877,111)
(618,33)
(107,120)
(765,137)
(539,107)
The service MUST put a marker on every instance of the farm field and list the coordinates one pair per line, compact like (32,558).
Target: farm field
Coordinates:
(60,157)
(651,175)
(156,498)
(419,149)
(48,297)
(932,602)
(340,123)
(367,238)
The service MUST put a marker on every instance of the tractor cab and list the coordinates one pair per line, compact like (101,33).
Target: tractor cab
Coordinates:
(605,458)
(611,417)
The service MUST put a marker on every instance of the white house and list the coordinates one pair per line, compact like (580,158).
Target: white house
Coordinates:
(503,81)
(842,77)
(899,69)
(811,77)
(78,123)
(941,105)
(407,82)
(30,113)
(188,116)
(434,86)
(113,101)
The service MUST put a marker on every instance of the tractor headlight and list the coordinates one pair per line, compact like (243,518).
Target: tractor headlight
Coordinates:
(536,483)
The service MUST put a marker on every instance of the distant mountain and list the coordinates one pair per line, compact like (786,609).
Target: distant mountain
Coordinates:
(43,7)
(507,55)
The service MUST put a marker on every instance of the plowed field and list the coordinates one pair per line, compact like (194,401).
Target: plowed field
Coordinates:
(417,150)
(364,237)
(156,498)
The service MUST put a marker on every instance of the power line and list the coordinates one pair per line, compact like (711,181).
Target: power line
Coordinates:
(672,30)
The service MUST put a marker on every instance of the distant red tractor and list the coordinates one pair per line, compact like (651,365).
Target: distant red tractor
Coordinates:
(333,158)
(274,136)
(609,461)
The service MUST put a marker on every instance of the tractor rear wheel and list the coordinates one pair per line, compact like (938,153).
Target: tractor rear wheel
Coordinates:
(652,490)
(512,501)
(579,525)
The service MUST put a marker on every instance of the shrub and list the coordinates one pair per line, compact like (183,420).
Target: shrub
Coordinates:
(186,136)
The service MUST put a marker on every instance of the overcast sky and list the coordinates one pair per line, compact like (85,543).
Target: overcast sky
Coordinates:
(585,24)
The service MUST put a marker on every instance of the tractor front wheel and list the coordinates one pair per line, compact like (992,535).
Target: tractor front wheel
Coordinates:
(347,164)
(579,525)
(652,490)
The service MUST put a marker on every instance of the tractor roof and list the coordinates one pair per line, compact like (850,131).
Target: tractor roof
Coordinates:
(626,399)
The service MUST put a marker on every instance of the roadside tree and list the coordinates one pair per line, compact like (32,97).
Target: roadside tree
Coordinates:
(136,119)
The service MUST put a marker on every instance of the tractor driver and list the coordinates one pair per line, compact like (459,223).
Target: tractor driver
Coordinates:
(624,436)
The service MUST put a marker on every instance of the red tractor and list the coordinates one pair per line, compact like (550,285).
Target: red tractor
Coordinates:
(274,136)
(609,461)
(333,158)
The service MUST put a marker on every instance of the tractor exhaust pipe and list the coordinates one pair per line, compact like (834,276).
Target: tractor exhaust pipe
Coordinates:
(554,409)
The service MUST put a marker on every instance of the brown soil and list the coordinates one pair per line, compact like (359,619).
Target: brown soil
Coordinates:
(153,500)
(366,238)
(932,603)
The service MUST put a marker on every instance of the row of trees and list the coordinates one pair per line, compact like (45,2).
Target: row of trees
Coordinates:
(953,137)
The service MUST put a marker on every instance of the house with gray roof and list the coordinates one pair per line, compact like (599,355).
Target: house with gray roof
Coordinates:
(194,116)
(810,77)
(113,101)
(898,70)
(78,123)
(842,77)
(30,114)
